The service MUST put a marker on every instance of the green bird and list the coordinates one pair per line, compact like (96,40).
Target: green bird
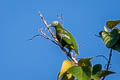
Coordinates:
(64,37)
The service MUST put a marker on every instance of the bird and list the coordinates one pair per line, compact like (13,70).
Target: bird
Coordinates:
(64,37)
(111,24)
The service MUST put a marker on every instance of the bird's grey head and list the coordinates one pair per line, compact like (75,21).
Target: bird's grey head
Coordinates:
(54,23)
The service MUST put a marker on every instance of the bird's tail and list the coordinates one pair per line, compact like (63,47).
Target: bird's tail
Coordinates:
(76,51)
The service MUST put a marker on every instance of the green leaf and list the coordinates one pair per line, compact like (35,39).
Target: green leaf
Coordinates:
(65,66)
(97,70)
(86,66)
(76,71)
(67,76)
(80,73)
(84,62)
(110,38)
(117,46)
(106,73)
(112,24)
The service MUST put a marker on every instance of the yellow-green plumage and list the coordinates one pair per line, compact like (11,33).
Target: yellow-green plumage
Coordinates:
(65,38)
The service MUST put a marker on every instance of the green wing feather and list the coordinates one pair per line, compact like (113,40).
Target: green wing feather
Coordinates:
(67,39)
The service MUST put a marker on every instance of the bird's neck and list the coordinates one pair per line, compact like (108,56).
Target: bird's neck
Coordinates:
(58,27)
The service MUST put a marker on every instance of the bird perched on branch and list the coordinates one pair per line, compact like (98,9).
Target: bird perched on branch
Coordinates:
(64,37)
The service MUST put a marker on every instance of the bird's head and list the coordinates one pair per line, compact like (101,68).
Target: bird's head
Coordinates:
(54,24)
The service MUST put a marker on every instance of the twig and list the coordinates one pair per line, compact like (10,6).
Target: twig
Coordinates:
(61,19)
(108,64)
(44,21)
(55,39)
(109,60)
(97,35)
(34,37)
(43,34)
(103,57)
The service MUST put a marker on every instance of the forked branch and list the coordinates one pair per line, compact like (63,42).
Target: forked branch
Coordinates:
(54,40)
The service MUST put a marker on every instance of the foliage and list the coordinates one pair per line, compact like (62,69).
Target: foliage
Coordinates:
(65,66)
(82,71)
(111,24)
(112,38)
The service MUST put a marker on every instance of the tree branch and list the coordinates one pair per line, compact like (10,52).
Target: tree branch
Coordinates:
(55,41)
(34,37)
(43,34)
(108,64)
(44,21)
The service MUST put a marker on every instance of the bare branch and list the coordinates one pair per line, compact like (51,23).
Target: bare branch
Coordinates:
(45,22)
(55,41)
(34,37)
(103,57)
(61,19)
(67,54)
(108,64)
(43,34)
(109,60)
(97,35)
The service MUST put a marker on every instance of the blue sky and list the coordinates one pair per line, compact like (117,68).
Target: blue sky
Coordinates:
(40,59)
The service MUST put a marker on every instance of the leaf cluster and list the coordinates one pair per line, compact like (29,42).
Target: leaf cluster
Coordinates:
(83,70)
(112,38)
